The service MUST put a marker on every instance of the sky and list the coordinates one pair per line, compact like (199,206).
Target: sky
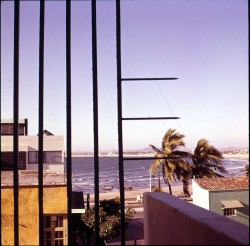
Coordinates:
(203,43)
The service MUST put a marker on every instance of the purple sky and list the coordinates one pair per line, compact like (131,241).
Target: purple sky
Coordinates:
(204,43)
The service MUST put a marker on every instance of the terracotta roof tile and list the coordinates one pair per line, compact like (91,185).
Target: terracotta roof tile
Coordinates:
(235,183)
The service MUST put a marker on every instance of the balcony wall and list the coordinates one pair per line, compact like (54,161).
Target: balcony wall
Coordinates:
(168,220)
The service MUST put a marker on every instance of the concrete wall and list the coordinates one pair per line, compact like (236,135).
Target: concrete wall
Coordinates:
(55,202)
(168,220)
(52,167)
(211,200)
(200,196)
(30,178)
(242,214)
(51,143)
(30,143)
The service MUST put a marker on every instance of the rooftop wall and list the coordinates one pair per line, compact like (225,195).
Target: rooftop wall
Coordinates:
(168,220)
(30,178)
(30,143)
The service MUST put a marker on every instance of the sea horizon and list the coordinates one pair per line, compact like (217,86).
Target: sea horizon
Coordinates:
(136,173)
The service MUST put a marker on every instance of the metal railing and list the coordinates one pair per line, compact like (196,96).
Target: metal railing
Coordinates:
(120,118)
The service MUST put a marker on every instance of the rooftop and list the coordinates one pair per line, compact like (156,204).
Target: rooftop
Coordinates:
(233,183)
(30,178)
(11,121)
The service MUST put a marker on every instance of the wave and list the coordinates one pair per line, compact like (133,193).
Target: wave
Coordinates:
(135,172)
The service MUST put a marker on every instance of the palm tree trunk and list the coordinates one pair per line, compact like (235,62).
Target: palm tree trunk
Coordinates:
(186,182)
(169,187)
(159,181)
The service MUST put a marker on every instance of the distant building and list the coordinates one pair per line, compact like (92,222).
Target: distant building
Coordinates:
(53,147)
(54,207)
(225,196)
(55,200)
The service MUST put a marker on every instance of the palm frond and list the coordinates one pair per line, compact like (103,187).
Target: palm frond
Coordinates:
(154,167)
(182,153)
(168,174)
(219,175)
(155,149)
(172,140)
(202,172)
(215,159)
(207,160)
(183,165)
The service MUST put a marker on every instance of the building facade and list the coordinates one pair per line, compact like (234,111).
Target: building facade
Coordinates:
(55,200)
(225,196)
(53,148)
(54,207)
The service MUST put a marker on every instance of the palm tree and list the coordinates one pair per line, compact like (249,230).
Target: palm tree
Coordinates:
(171,160)
(247,170)
(207,160)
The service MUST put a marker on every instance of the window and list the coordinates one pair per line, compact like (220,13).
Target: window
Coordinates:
(230,207)
(48,157)
(57,156)
(7,161)
(21,129)
(55,228)
(229,211)
(33,157)
(8,129)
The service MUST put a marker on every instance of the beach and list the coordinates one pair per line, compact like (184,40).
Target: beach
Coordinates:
(135,175)
(228,155)
(176,189)
(236,155)
(132,194)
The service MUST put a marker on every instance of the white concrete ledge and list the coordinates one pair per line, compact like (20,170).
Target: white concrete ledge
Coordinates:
(169,221)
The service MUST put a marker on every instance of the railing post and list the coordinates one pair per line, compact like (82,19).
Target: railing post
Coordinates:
(40,117)
(0,124)
(68,118)
(16,122)
(119,110)
(95,120)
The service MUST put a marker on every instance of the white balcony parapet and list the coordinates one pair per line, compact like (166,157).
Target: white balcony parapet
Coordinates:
(168,220)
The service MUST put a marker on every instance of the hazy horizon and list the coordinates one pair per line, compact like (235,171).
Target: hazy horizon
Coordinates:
(230,148)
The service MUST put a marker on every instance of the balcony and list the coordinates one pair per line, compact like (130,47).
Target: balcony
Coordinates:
(169,220)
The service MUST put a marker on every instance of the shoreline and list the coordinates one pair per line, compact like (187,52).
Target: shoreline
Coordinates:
(246,155)
(132,194)
(238,155)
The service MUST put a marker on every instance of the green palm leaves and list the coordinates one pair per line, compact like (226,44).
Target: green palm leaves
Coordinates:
(181,165)
(170,159)
(206,161)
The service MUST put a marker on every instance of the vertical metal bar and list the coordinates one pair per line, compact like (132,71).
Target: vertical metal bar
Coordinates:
(68,91)
(119,109)
(16,119)
(95,116)
(0,122)
(26,127)
(40,117)
(88,231)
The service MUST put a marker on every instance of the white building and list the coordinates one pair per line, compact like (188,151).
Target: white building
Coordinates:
(225,196)
(53,148)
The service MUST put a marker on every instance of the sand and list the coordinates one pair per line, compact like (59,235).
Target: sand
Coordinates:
(132,194)
(237,155)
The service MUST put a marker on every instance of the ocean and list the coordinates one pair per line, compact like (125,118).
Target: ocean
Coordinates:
(135,173)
